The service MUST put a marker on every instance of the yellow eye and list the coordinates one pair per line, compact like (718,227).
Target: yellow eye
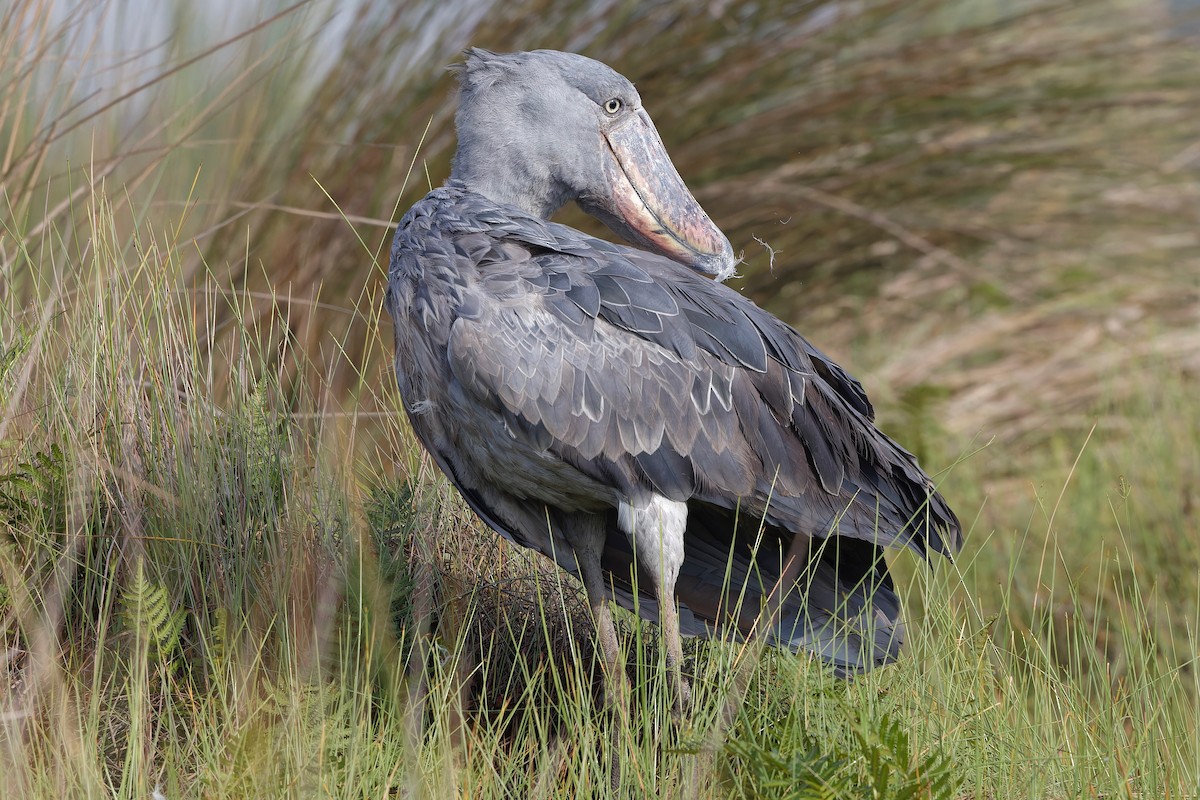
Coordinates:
(613,105)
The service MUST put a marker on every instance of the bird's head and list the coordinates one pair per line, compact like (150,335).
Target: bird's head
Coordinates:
(541,128)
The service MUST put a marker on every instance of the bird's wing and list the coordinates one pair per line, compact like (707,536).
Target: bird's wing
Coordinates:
(649,377)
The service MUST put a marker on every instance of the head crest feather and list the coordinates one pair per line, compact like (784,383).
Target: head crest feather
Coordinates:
(479,69)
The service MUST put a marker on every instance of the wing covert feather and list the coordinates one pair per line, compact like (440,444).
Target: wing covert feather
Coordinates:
(633,367)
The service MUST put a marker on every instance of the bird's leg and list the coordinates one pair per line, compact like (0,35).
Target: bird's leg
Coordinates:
(668,615)
(616,682)
(616,685)
(586,535)
(656,528)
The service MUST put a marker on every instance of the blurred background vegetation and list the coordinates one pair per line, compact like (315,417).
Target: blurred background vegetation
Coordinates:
(989,212)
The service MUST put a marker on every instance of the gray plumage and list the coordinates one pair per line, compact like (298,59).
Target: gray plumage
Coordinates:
(567,385)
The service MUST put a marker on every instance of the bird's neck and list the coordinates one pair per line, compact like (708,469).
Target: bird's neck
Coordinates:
(506,181)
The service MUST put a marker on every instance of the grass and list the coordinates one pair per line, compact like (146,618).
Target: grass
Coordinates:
(226,570)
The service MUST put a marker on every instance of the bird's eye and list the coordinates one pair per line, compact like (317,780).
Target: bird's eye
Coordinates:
(613,105)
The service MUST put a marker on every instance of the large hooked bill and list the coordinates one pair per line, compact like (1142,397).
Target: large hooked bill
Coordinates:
(649,204)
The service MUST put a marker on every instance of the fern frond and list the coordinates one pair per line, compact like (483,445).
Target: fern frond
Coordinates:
(147,610)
